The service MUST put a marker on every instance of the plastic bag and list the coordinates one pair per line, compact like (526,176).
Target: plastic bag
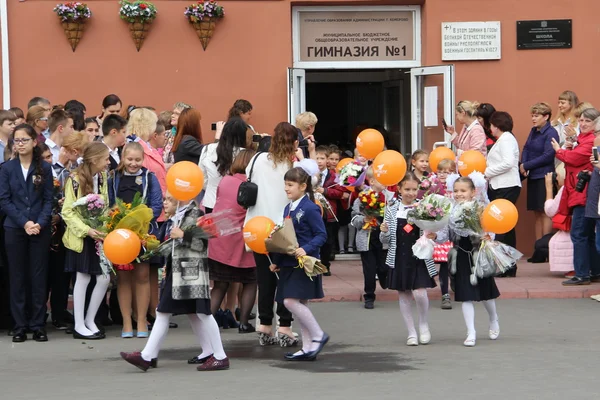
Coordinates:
(423,248)
(494,258)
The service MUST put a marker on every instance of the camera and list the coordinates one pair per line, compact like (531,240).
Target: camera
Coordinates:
(583,177)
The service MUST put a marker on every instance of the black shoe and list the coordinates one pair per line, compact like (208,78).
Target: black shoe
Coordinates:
(101,329)
(310,356)
(68,317)
(19,337)
(327,273)
(219,318)
(238,314)
(576,281)
(246,328)
(77,335)
(196,360)
(252,316)
(61,326)
(512,273)
(322,344)
(595,278)
(382,274)
(229,320)
(40,335)
(69,330)
(369,304)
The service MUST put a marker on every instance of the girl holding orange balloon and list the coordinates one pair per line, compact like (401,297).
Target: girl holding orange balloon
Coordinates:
(129,179)
(80,240)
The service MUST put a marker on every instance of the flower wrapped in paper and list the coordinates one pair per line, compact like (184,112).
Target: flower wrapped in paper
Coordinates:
(352,174)
(312,266)
(372,205)
(322,200)
(430,185)
(495,258)
(431,215)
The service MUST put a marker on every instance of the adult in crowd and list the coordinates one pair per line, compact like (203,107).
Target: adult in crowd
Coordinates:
(37,117)
(537,160)
(566,123)
(26,192)
(111,104)
(484,112)
(306,123)
(7,126)
(187,145)
(502,170)
(77,111)
(592,209)
(168,152)
(267,173)
(242,109)
(40,101)
(586,260)
(472,136)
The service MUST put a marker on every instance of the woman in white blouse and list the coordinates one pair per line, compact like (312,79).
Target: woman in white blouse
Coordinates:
(502,170)
(216,158)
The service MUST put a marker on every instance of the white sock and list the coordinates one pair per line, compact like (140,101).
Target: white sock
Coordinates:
(490,306)
(81,283)
(469,314)
(98,296)
(210,330)
(157,336)
(307,321)
(422,302)
(405,301)
(202,339)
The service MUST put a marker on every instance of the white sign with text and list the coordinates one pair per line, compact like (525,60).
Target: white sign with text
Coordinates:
(471,41)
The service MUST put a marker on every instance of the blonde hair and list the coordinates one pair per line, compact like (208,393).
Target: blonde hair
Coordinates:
(572,98)
(305,120)
(560,170)
(581,107)
(76,141)
(541,109)
(468,107)
(135,146)
(142,123)
(447,163)
(92,155)
(35,113)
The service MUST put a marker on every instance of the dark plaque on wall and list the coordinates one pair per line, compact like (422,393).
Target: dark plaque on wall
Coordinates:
(545,34)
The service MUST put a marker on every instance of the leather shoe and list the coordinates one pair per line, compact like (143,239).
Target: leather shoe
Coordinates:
(197,360)
(19,337)
(69,330)
(95,336)
(246,328)
(310,356)
(322,344)
(40,335)
(60,325)
(212,364)
(136,359)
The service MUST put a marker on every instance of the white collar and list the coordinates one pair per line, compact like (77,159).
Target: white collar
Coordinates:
(136,174)
(295,203)
(109,149)
(51,143)
(472,124)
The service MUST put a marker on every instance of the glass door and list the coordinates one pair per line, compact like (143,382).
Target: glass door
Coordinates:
(296,85)
(432,100)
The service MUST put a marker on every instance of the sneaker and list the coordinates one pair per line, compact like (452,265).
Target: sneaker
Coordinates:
(569,275)
(576,281)
(446,303)
(369,304)
(60,325)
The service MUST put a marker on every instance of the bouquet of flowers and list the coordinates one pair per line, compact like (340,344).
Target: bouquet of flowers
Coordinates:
(494,257)
(465,219)
(430,185)
(72,12)
(137,11)
(352,174)
(431,215)
(372,205)
(325,205)
(91,209)
(196,12)
(283,240)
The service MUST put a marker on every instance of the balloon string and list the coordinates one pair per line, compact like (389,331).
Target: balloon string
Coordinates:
(271,262)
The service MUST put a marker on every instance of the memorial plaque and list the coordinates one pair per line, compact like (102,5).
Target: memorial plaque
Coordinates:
(545,34)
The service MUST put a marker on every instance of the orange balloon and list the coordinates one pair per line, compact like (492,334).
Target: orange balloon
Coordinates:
(256,230)
(438,154)
(320,206)
(470,161)
(122,246)
(500,216)
(342,164)
(350,188)
(389,167)
(369,143)
(185,180)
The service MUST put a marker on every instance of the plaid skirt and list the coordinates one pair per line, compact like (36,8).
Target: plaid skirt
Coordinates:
(226,273)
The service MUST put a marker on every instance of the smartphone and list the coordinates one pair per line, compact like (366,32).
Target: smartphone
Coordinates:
(256,138)
(595,151)
(444,124)
(213,126)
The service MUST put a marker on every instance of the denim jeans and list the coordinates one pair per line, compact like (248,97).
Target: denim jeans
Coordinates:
(598,235)
(586,259)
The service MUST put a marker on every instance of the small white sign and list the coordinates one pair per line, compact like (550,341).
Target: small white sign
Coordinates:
(471,41)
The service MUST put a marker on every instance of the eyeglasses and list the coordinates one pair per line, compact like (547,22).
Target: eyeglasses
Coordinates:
(22,141)
(43,119)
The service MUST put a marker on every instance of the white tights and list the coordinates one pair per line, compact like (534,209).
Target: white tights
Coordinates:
(309,327)
(85,325)
(204,327)
(422,301)
(469,314)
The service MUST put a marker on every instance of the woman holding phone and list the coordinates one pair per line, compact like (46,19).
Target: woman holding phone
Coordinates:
(472,136)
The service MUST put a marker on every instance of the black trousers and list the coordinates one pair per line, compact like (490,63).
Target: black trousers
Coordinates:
(444,275)
(267,286)
(58,283)
(373,263)
(28,269)
(327,248)
(511,194)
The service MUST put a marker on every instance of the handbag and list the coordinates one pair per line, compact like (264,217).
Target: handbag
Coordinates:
(440,252)
(562,222)
(248,191)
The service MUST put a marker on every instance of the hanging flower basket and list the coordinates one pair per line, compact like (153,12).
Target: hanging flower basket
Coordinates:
(139,15)
(73,17)
(203,16)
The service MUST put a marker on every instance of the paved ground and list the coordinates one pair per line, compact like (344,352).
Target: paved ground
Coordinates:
(533,281)
(548,349)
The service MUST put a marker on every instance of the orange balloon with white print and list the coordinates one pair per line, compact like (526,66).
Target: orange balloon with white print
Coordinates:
(185,180)
(389,167)
(369,143)
(255,231)
(500,216)
(122,246)
(471,161)
(438,154)
(342,164)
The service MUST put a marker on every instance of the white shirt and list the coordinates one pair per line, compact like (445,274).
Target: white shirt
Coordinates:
(294,204)
(503,163)
(54,149)
(114,153)
(25,172)
(212,177)
(323,177)
(403,210)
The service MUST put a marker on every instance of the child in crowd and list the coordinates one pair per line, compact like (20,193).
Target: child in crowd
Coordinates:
(465,292)
(347,232)
(295,288)
(80,240)
(334,157)
(408,274)
(333,193)
(420,164)
(181,295)
(372,251)
(19,114)
(129,179)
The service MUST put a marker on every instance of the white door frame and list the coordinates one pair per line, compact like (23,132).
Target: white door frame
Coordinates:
(296,86)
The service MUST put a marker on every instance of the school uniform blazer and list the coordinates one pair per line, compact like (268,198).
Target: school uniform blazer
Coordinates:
(20,199)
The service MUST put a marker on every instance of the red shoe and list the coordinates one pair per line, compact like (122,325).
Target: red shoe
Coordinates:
(212,364)
(570,274)
(136,359)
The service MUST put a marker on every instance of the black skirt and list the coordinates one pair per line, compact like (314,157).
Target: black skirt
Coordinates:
(168,305)
(295,284)
(86,262)
(226,273)
(485,289)
(536,194)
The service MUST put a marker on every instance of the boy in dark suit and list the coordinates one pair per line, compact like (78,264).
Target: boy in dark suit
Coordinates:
(113,128)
